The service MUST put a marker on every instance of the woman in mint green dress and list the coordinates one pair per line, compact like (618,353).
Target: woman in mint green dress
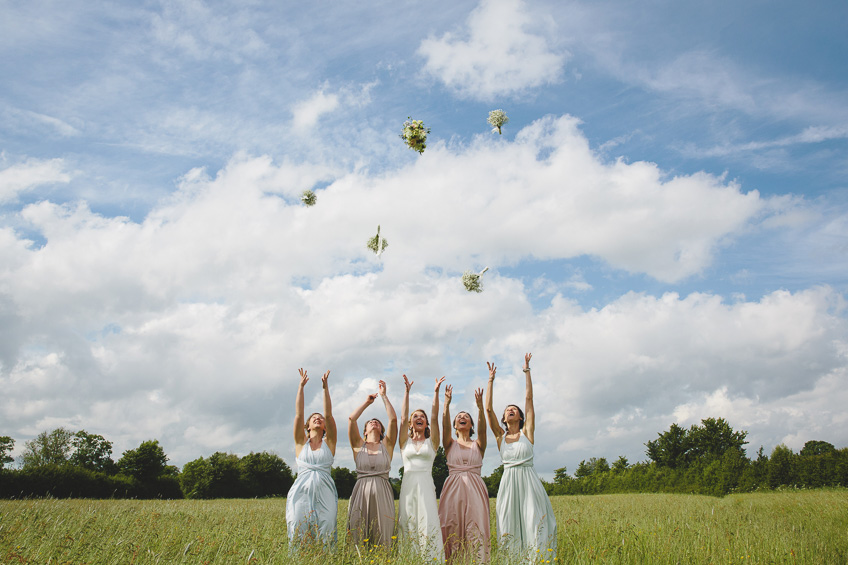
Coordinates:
(526,521)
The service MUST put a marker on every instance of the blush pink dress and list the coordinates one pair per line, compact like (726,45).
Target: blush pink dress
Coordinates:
(464,506)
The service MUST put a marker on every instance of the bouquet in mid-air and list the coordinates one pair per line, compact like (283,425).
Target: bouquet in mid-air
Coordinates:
(415,134)
(473,281)
(378,243)
(497,119)
(308,198)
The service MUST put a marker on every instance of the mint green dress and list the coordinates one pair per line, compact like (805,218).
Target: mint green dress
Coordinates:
(526,520)
(312,502)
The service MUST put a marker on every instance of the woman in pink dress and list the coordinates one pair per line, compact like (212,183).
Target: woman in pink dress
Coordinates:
(464,506)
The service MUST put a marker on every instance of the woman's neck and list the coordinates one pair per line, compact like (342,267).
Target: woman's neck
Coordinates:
(463,436)
(372,438)
(418,435)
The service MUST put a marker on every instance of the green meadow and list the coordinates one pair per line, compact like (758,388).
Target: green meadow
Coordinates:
(773,527)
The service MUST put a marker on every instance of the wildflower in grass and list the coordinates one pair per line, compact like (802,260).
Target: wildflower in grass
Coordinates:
(377,244)
(415,134)
(497,118)
(472,281)
(308,198)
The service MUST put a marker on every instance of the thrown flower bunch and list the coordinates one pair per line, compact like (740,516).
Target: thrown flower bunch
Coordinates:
(497,119)
(308,198)
(415,134)
(473,281)
(377,244)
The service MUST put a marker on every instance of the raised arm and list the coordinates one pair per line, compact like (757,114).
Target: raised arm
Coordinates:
(529,411)
(329,421)
(392,432)
(434,415)
(494,423)
(299,425)
(447,441)
(353,427)
(403,432)
(481,415)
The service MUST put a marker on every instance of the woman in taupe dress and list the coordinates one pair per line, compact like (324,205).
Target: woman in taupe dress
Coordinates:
(371,512)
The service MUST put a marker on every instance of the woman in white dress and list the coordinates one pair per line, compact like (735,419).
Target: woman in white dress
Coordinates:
(312,502)
(526,521)
(418,513)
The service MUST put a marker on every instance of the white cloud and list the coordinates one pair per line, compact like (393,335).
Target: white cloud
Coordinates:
(505,53)
(29,174)
(307,113)
(197,317)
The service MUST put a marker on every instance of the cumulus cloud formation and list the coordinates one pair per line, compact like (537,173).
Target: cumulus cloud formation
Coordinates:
(189,325)
(503,51)
(29,174)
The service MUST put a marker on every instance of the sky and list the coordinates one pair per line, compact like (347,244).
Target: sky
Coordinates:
(664,218)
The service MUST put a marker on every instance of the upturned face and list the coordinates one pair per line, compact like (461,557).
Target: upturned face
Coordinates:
(419,421)
(511,414)
(462,421)
(374,426)
(316,423)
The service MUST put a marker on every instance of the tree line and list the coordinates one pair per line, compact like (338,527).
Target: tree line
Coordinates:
(707,458)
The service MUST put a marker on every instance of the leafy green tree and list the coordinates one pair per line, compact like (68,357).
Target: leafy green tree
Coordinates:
(51,448)
(92,452)
(620,464)
(440,470)
(493,481)
(583,470)
(670,448)
(594,466)
(816,447)
(265,474)
(713,438)
(781,467)
(6,446)
(144,463)
(344,479)
(561,476)
(195,477)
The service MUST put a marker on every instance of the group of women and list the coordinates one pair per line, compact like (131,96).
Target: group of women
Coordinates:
(459,523)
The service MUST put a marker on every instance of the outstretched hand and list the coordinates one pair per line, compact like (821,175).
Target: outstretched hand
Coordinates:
(324,379)
(527,357)
(408,383)
(478,397)
(492,369)
(371,398)
(448,393)
(303,378)
(438,384)
(381,388)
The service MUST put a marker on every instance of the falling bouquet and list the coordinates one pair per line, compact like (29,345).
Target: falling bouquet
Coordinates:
(377,244)
(415,134)
(497,118)
(308,198)
(473,281)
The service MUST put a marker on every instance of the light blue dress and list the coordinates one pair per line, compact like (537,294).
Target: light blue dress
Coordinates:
(312,504)
(526,520)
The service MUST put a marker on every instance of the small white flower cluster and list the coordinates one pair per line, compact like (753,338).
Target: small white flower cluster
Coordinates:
(415,134)
(308,198)
(497,118)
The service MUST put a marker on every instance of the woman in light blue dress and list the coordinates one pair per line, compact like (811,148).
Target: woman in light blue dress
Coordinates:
(526,521)
(312,502)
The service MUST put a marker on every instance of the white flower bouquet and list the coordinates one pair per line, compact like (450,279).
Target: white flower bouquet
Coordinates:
(415,134)
(308,198)
(497,119)
(377,244)
(473,281)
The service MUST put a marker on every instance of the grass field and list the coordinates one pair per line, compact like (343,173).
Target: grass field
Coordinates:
(775,527)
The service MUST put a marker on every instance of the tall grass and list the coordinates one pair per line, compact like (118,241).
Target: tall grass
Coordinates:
(776,527)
